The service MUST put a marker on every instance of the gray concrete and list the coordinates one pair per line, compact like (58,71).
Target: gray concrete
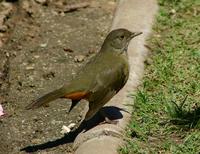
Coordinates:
(135,15)
(99,145)
(96,132)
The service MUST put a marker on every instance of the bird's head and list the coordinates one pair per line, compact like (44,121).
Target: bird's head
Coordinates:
(118,40)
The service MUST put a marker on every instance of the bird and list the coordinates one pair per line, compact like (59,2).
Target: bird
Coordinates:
(102,77)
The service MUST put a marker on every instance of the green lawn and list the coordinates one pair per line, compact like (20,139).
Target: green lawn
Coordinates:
(166,108)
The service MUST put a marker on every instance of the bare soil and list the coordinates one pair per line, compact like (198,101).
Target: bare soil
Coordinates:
(43,44)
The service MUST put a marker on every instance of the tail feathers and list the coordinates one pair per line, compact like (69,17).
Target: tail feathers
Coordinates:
(42,101)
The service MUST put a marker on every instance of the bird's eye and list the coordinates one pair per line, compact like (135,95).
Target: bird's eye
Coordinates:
(122,36)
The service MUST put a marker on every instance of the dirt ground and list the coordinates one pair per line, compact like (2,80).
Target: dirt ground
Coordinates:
(35,38)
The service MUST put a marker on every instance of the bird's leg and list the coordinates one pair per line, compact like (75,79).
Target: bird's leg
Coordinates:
(74,103)
(107,120)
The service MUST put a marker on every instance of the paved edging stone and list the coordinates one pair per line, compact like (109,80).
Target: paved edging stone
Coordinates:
(101,144)
(96,132)
(135,15)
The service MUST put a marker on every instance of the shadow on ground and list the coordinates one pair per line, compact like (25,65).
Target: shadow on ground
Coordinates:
(113,113)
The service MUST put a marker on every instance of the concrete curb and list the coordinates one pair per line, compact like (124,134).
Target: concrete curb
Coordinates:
(135,15)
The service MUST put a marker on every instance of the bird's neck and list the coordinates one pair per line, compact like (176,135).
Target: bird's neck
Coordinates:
(109,48)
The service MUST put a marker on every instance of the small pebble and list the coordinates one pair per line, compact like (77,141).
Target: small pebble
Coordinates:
(36,56)
(65,129)
(71,125)
(68,50)
(172,11)
(43,45)
(79,58)
(29,68)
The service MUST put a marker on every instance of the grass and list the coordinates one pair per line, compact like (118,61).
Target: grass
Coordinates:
(166,116)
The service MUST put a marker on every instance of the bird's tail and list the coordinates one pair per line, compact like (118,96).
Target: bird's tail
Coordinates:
(42,101)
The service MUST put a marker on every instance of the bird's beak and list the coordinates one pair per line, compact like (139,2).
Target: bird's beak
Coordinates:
(135,34)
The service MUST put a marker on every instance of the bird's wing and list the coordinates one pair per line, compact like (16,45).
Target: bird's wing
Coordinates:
(111,78)
(108,82)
